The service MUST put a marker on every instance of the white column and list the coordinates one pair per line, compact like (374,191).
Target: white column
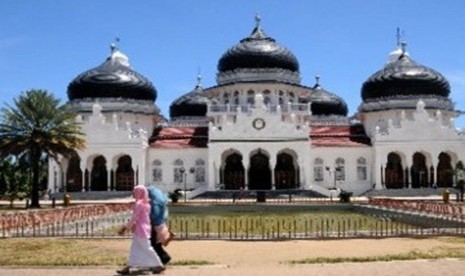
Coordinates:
(379,164)
(273,165)
(245,162)
(109,179)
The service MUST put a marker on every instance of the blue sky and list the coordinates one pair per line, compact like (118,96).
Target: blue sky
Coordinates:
(45,44)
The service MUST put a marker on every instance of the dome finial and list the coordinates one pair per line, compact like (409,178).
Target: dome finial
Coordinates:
(258,20)
(317,79)
(114,45)
(398,37)
(403,46)
(199,79)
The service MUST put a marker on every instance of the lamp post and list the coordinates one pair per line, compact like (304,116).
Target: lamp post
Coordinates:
(183,175)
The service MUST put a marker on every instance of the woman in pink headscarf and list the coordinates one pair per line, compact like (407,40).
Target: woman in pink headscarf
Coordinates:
(141,253)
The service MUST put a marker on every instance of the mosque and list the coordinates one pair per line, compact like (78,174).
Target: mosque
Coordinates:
(260,128)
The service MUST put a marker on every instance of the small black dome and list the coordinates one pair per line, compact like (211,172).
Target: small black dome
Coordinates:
(402,77)
(192,104)
(326,103)
(258,51)
(112,79)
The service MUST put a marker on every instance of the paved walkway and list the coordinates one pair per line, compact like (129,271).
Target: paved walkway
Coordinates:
(421,267)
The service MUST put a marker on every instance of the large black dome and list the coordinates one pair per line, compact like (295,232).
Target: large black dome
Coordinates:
(404,77)
(192,104)
(112,79)
(258,51)
(326,103)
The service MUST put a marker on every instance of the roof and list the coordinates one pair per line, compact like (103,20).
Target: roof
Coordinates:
(339,136)
(321,136)
(179,138)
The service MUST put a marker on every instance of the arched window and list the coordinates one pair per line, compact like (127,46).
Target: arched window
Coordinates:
(179,171)
(340,169)
(291,97)
(361,168)
(157,172)
(318,170)
(199,171)
(251,97)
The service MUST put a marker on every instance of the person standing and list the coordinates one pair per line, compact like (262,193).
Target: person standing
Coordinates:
(141,253)
(158,216)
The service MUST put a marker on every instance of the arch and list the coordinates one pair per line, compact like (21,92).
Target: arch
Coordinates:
(199,171)
(394,172)
(318,170)
(340,169)
(99,174)
(124,174)
(445,171)
(259,171)
(157,172)
(179,172)
(233,172)
(285,171)
(251,97)
(419,171)
(74,175)
(361,168)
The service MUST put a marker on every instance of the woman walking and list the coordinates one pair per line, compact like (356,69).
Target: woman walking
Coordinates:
(141,253)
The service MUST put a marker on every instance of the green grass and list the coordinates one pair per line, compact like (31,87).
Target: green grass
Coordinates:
(272,222)
(68,252)
(437,253)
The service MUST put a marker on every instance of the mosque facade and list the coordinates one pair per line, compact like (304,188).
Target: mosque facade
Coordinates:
(260,128)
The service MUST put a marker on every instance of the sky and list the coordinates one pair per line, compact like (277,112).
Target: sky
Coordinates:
(45,44)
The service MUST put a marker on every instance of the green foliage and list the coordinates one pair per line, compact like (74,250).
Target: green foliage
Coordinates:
(344,196)
(14,184)
(175,195)
(37,127)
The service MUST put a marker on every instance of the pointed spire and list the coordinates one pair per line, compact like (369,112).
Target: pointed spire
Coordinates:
(114,45)
(199,80)
(257,32)
(258,20)
(116,55)
(403,46)
(317,82)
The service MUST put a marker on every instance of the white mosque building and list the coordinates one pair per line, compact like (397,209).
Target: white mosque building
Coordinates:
(260,128)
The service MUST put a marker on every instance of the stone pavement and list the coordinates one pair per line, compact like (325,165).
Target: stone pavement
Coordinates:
(447,267)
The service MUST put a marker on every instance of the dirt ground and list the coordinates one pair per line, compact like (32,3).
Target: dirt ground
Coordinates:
(269,258)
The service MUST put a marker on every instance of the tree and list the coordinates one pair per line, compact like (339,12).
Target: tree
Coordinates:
(37,126)
(14,184)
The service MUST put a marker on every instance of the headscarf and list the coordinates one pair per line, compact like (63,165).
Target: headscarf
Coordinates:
(141,195)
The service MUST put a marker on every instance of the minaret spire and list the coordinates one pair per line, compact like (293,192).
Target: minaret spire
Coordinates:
(258,20)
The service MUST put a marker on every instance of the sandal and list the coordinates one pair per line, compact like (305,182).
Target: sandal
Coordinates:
(158,269)
(124,271)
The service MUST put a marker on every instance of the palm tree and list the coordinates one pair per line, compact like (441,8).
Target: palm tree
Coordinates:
(37,125)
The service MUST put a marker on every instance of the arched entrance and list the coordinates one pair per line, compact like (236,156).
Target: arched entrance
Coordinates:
(259,172)
(445,172)
(285,172)
(394,173)
(74,175)
(234,172)
(124,174)
(419,171)
(99,176)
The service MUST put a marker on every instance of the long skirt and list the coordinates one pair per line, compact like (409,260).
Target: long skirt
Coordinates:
(142,254)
